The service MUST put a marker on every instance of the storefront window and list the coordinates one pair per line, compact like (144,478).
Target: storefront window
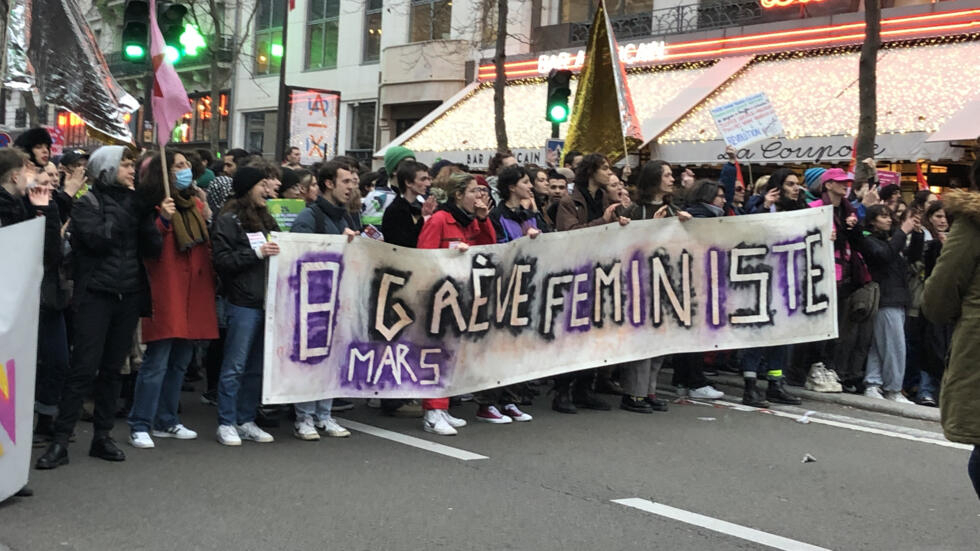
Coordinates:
(321,34)
(581,11)
(269,17)
(197,126)
(430,19)
(372,31)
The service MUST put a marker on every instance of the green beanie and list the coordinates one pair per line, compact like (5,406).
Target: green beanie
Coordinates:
(395,155)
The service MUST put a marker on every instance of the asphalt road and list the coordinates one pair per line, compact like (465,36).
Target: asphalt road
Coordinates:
(695,478)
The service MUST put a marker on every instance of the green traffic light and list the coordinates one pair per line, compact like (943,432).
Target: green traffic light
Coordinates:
(192,40)
(171,54)
(558,113)
(134,51)
(276,50)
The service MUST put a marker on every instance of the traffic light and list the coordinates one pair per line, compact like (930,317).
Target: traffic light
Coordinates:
(134,31)
(170,18)
(558,91)
(192,40)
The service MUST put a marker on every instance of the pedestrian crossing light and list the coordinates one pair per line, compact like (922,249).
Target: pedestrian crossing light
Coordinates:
(276,50)
(171,54)
(134,52)
(558,92)
(134,31)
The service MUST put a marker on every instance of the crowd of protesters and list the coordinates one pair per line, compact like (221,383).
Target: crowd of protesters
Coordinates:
(151,284)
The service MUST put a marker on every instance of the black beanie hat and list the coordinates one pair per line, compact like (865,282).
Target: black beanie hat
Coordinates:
(288,180)
(245,179)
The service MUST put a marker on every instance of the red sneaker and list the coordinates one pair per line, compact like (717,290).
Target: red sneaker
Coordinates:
(490,414)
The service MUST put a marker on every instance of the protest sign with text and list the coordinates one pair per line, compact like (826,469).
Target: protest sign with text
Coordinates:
(368,319)
(20,304)
(747,121)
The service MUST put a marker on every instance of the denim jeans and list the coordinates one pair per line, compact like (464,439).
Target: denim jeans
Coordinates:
(319,408)
(927,385)
(157,393)
(240,382)
(886,361)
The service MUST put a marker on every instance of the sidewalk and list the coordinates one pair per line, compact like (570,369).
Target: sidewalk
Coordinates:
(731,384)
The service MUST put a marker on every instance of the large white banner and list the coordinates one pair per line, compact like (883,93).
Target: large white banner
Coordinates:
(20,301)
(368,319)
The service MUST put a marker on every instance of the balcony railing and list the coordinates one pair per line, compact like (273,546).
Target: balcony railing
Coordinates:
(678,19)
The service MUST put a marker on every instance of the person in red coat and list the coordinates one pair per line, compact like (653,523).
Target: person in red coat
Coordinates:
(463,221)
(182,287)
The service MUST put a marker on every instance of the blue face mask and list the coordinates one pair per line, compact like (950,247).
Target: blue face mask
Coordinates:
(184,178)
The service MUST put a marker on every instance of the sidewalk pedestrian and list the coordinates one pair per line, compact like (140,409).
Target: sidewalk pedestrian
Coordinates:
(952,296)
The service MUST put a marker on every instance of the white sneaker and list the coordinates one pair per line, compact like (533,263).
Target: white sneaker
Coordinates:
(228,436)
(436,423)
(821,379)
(141,440)
(331,428)
(874,391)
(897,397)
(512,411)
(178,431)
(454,422)
(706,392)
(251,431)
(304,430)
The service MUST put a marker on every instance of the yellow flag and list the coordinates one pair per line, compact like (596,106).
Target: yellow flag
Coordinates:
(603,117)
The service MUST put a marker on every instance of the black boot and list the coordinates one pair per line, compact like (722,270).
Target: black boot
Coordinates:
(636,404)
(656,404)
(752,395)
(563,400)
(104,447)
(55,456)
(776,392)
(586,399)
(43,431)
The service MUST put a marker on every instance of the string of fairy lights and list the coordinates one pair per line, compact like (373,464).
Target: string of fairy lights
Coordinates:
(921,83)
(815,93)
(469,124)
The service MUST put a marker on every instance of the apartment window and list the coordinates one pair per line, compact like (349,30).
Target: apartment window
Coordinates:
(321,34)
(430,19)
(488,24)
(372,31)
(581,11)
(269,16)
(20,117)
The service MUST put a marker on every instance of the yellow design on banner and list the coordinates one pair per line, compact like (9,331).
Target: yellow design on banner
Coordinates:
(4,383)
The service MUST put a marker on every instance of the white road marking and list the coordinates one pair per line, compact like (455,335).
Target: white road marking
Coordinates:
(851,423)
(426,445)
(717,525)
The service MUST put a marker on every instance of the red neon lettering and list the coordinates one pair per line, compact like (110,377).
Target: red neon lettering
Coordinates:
(783,3)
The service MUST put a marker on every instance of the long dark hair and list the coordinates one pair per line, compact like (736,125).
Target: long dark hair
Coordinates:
(252,218)
(874,211)
(648,184)
(508,178)
(935,207)
(590,164)
(150,186)
(704,191)
(784,203)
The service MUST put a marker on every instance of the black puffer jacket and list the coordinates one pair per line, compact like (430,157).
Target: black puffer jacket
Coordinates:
(14,210)
(111,232)
(888,261)
(241,271)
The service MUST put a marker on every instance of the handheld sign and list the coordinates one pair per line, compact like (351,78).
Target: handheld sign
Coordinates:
(285,211)
(747,121)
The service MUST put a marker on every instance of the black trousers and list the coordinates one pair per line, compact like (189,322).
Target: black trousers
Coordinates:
(584,381)
(103,332)
(689,370)
(52,360)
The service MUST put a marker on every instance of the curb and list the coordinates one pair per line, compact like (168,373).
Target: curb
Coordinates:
(913,411)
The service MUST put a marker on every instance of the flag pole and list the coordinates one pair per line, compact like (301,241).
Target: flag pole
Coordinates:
(163,165)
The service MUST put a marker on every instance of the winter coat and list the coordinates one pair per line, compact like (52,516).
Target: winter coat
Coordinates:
(19,209)
(850,270)
(111,234)
(888,262)
(573,211)
(952,295)
(510,224)
(323,217)
(441,230)
(402,223)
(183,290)
(241,270)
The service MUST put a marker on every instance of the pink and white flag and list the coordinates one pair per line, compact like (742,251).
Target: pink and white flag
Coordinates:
(169,100)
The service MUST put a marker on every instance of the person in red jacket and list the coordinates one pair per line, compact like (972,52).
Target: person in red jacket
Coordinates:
(461,222)
(182,287)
